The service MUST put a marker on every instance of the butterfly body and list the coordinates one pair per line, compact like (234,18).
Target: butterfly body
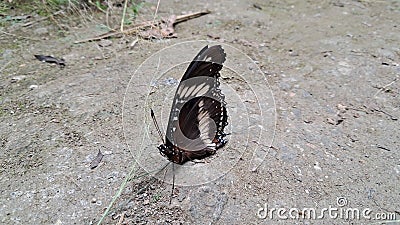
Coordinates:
(198,115)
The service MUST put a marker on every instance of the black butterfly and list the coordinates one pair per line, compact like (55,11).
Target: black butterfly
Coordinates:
(198,115)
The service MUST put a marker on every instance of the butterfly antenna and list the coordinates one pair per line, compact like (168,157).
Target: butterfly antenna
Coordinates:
(156,124)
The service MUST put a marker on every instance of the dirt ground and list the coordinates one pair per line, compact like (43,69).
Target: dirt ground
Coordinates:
(317,129)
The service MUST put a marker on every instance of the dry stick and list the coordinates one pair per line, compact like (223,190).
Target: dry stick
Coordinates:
(17,36)
(109,6)
(154,18)
(155,14)
(135,28)
(123,16)
(97,7)
(5,65)
(183,18)
(133,43)
(41,19)
(384,87)
(51,16)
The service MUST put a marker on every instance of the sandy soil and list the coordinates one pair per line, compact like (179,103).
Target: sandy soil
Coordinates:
(327,100)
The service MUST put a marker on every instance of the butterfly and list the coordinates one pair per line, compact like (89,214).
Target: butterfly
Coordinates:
(198,114)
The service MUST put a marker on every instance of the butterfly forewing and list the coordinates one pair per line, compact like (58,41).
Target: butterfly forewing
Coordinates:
(208,62)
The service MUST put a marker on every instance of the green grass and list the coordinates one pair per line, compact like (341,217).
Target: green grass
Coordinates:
(2,112)
(8,8)
(132,12)
(156,197)
(41,7)
(4,7)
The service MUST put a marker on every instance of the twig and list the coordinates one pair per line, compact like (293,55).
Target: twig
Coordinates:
(17,36)
(134,43)
(186,17)
(155,14)
(97,7)
(109,7)
(74,182)
(41,19)
(123,16)
(51,15)
(5,65)
(154,18)
(382,147)
(384,87)
(387,114)
(136,27)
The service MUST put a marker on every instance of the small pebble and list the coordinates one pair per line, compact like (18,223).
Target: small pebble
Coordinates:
(41,31)
(331,121)
(33,86)
(18,78)
(105,43)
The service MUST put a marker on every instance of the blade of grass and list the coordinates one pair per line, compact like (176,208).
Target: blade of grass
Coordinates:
(122,187)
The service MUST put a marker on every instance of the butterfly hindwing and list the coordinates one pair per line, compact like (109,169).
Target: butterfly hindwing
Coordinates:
(199,119)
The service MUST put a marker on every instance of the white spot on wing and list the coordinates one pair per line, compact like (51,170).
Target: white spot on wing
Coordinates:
(183,91)
(189,91)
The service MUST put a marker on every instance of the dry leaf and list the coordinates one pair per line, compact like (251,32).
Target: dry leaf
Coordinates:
(96,161)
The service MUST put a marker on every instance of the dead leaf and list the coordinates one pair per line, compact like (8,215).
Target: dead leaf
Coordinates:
(51,59)
(96,161)
(331,121)
(165,30)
